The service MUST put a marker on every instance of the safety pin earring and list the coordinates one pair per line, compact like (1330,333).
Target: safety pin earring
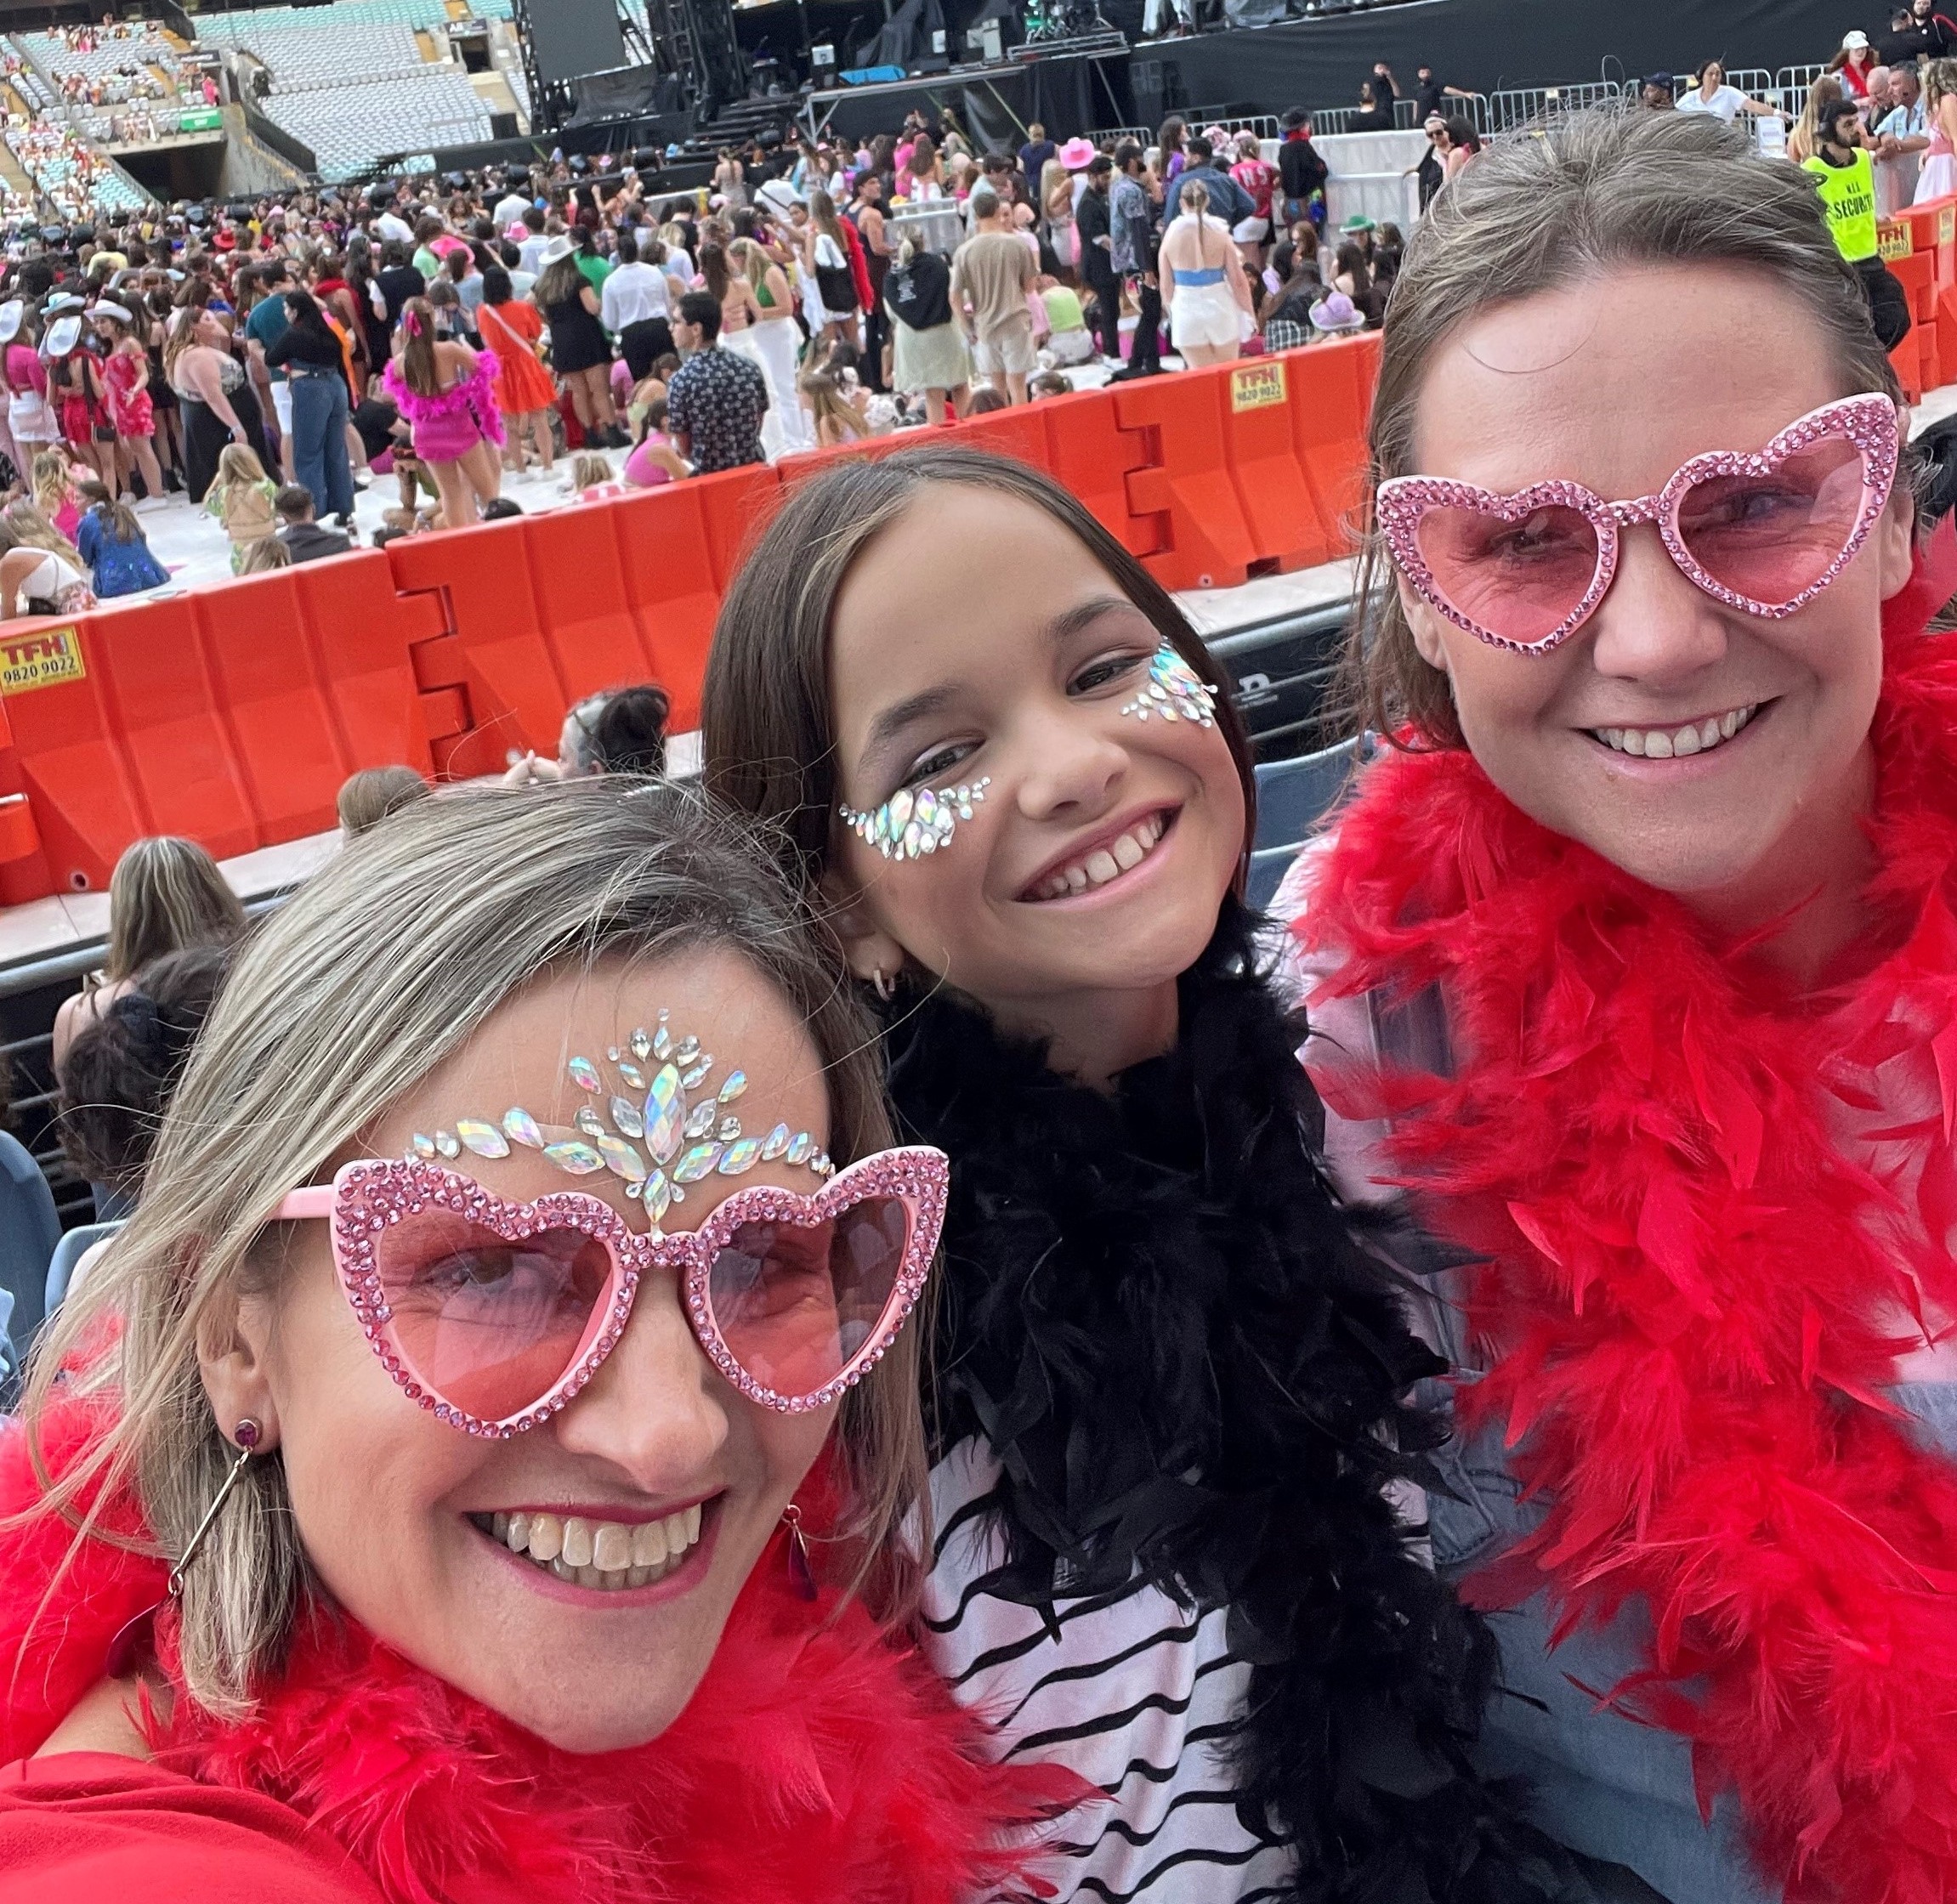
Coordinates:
(908,825)
(1174,692)
(134,1643)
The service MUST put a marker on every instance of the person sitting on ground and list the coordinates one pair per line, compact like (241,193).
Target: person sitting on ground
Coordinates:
(367,797)
(654,460)
(620,731)
(262,557)
(1068,340)
(834,418)
(117,1077)
(1047,383)
(306,539)
(986,399)
(164,894)
(592,479)
(41,571)
(110,541)
(242,499)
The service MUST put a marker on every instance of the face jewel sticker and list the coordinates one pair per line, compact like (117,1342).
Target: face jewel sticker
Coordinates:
(636,1130)
(909,825)
(1174,692)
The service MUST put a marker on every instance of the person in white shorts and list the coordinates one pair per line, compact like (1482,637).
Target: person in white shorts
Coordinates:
(992,274)
(1203,284)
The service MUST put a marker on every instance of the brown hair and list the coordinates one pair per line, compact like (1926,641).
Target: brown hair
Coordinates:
(1587,194)
(768,738)
(165,893)
(418,349)
(366,798)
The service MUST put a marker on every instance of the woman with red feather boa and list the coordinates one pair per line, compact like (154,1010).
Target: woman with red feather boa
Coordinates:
(1634,965)
(391,1521)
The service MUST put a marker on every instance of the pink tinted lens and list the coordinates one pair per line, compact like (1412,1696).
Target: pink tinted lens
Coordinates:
(488,1324)
(1770,537)
(796,1303)
(1520,579)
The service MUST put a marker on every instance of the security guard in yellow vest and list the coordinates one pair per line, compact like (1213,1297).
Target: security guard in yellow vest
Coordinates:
(1845,177)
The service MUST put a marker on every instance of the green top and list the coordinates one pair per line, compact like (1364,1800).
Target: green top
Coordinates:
(595,270)
(1848,200)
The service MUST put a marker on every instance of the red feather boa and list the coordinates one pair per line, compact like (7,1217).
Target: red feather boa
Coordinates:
(816,1765)
(1712,1214)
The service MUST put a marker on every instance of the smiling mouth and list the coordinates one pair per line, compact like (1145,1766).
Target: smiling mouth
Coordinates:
(1675,743)
(1104,864)
(611,1556)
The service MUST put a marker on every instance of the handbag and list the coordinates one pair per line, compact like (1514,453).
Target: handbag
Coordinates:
(835,282)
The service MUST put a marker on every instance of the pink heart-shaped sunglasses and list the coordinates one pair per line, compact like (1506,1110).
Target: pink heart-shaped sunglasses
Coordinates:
(495,1314)
(1764,531)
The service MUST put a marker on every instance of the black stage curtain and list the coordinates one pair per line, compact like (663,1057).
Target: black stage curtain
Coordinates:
(1487,45)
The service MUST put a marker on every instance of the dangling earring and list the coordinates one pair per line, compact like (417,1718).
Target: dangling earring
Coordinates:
(135,1640)
(885,989)
(801,1574)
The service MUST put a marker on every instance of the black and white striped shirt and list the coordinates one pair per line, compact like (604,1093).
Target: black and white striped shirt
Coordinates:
(1127,1689)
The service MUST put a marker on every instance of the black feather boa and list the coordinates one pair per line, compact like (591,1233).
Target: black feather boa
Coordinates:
(1189,1364)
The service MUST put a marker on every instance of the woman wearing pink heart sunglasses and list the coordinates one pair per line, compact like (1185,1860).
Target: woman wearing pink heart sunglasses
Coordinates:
(1635,964)
(476,1471)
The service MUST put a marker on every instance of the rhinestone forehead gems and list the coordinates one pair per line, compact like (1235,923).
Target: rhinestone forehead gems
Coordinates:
(908,825)
(639,1125)
(1174,692)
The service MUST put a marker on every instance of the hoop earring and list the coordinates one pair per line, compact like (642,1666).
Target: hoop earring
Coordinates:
(885,989)
(134,1642)
(801,1573)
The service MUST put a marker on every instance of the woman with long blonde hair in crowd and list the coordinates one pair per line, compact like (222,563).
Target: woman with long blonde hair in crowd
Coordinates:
(776,342)
(1938,176)
(41,571)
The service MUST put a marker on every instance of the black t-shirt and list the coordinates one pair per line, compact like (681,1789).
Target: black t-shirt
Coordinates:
(1930,39)
(1301,168)
(919,293)
(1374,118)
(1428,98)
(298,344)
(399,283)
(374,418)
(1033,158)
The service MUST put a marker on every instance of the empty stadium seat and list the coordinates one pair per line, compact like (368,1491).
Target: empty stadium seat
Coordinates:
(1293,796)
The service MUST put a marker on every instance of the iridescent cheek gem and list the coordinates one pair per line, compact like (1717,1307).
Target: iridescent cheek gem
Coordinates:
(423,1147)
(584,1074)
(741,1157)
(658,1195)
(736,1083)
(588,1121)
(697,1076)
(641,1043)
(700,1124)
(630,1075)
(665,1113)
(686,1050)
(447,1144)
(626,1118)
(908,825)
(580,1159)
(484,1139)
(521,1128)
(696,1163)
(1174,692)
(801,1147)
(621,1159)
(729,1129)
(775,1142)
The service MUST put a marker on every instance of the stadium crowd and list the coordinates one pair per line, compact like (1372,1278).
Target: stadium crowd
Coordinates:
(827,1331)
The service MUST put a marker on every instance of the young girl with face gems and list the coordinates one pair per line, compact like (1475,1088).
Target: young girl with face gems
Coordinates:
(1644,934)
(455,1482)
(1170,1397)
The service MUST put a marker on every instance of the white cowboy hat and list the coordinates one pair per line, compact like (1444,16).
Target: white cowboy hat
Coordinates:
(110,308)
(560,246)
(778,195)
(11,313)
(63,335)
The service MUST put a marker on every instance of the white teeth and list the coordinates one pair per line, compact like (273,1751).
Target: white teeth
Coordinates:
(1672,743)
(608,1554)
(1106,862)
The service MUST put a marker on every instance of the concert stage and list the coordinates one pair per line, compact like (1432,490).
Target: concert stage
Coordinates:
(1066,93)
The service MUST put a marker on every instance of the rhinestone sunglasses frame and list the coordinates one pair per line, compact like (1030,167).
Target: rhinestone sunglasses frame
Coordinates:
(367,1195)
(1868,422)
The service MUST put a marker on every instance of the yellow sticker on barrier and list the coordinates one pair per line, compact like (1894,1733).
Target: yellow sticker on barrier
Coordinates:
(1257,386)
(1946,226)
(43,658)
(1895,238)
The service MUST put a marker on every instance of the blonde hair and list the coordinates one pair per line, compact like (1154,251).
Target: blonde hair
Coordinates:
(367,797)
(588,469)
(164,894)
(1939,79)
(53,482)
(385,963)
(829,405)
(261,554)
(29,529)
(239,468)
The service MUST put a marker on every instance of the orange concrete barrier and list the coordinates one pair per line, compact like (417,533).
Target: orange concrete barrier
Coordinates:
(1285,514)
(1186,479)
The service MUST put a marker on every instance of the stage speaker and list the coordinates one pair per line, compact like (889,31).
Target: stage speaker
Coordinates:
(1153,83)
(571,38)
(502,125)
(985,40)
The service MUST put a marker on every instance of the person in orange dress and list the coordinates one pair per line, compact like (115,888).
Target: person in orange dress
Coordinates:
(511,327)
